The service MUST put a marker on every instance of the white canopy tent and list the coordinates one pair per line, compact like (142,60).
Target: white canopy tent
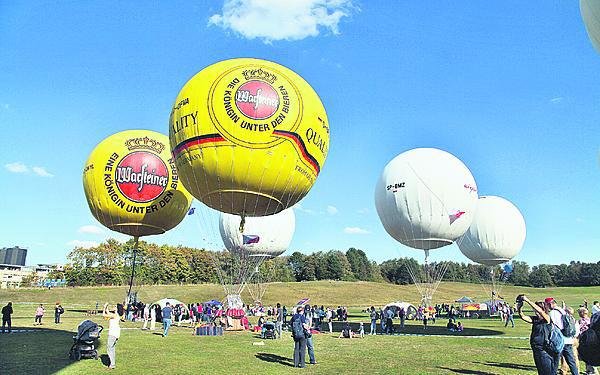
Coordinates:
(409,308)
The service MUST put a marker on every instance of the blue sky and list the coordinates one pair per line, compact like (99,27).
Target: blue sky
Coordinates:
(511,88)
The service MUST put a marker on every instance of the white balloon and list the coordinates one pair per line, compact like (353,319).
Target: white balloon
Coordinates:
(590,12)
(263,235)
(426,198)
(496,234)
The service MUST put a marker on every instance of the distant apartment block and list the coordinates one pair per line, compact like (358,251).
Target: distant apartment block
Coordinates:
(13,256)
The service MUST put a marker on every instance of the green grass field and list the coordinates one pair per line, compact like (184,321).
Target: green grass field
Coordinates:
(485,347)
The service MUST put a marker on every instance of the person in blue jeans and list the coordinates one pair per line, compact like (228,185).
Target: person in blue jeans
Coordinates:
(309,339)
(299,341)
(166,318)
(540,326)
(373,316)
(556,315)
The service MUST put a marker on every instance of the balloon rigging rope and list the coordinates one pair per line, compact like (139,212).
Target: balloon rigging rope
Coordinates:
(427,187)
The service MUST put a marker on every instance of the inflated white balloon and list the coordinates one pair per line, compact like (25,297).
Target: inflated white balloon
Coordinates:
(496,234)
(590,12)
(426,198)
(267,236)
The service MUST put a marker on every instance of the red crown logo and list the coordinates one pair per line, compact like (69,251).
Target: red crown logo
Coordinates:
(259,74)
(144,143)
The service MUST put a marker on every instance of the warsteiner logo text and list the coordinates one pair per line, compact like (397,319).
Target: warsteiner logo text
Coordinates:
(257,100)
(141,176)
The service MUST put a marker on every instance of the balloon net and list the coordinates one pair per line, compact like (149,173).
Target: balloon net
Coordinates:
(427,279)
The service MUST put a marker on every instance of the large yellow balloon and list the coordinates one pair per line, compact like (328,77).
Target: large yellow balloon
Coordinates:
(131,184)
(249,136)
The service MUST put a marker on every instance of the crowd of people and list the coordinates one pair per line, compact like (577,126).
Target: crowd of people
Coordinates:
(307,320)
(549,322)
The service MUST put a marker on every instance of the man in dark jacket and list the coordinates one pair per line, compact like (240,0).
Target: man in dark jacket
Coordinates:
(6,319)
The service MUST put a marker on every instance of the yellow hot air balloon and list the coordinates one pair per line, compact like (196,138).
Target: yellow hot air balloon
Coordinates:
(249,136)
(131,184)
(132,187)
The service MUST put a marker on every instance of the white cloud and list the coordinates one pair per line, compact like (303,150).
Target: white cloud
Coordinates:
(41,171)
(19,167)
(556,100)
(83,244)
(363,211)
(298,207)
(332,210)
(355,230)
(271,20)
(16,167)
(579,220)
(90,229)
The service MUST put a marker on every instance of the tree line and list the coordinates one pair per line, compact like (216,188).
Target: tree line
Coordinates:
(110,263)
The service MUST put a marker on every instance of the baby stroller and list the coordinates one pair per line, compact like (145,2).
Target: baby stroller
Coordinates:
(269,331)
(84,345)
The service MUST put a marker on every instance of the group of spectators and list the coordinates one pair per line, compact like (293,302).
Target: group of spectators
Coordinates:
(549,317)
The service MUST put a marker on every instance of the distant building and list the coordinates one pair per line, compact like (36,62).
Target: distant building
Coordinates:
(11,276)
(14,256)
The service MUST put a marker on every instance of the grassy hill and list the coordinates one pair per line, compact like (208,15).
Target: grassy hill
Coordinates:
(334,293)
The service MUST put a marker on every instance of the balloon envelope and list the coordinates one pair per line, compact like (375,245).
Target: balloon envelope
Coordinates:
(131,184)
(267,236)
(496,234)
(249,136)
(590,12)
(426,198)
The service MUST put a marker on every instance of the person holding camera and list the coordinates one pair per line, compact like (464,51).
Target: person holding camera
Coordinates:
(114,332)
(540,326)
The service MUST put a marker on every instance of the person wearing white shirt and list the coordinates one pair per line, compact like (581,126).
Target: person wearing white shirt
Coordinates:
(556,315)
(595,307)
(114,332)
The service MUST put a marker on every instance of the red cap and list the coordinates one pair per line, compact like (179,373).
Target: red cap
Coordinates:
(549,300)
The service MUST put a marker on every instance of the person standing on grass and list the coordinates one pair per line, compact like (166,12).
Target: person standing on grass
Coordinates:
(329,317)
(309,337)
(509,316)
(166,318)
(146,316)
(39,314)
(7,311)
(389,322)
(556,315)
(152,318)
(278,319)
(373,316)
(584,324)
(58,311)
(299,327)
(402,316)
(571,339)
(540,327)
(114,332)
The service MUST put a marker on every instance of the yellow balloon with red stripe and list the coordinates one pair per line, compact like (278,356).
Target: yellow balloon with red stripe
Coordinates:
(249,136)
(131,184)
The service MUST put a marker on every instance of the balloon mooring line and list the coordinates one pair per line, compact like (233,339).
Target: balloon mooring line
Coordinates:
(135,248)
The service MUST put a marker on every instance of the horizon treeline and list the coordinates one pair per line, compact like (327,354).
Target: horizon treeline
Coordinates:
(110,264)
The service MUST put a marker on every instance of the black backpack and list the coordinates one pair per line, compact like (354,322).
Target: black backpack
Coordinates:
(589,342)
(298,329)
